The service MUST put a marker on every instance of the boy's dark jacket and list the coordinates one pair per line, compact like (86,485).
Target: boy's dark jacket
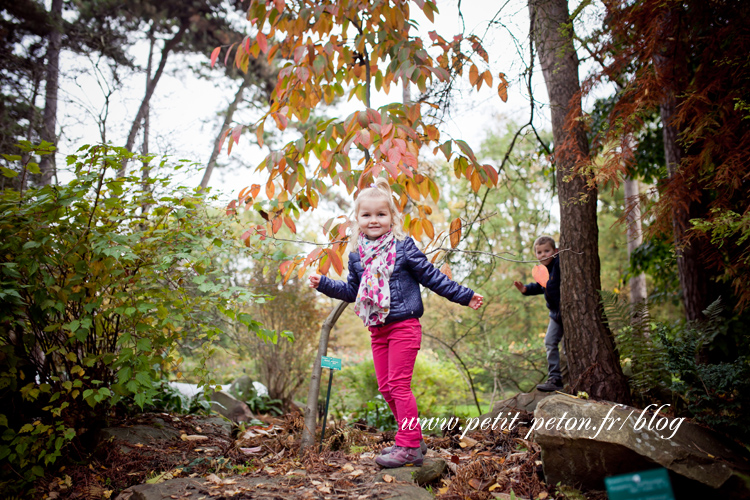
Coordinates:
(410,270)
(552,292)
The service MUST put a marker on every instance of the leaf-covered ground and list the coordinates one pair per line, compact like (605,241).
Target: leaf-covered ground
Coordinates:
(263,461)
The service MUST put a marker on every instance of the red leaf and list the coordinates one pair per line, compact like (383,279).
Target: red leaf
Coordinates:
(262,42)
(276,225)
(290,224)
(215,55)
(236,132)
(540,274)
(231,208)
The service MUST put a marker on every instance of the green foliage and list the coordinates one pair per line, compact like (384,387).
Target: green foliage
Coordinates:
(355,391)
(665,357)
(643,360)
(95,295)
(717,394)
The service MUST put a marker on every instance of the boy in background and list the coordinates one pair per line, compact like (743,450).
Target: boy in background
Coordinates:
(545,251)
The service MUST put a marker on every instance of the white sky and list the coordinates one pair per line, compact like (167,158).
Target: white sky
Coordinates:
(187,112)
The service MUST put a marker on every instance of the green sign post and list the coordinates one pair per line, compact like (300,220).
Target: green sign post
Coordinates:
(332,364)
(647,485)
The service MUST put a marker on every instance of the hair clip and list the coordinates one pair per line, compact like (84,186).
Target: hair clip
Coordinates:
(372,185)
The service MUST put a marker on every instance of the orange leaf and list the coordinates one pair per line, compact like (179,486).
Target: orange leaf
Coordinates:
(473,75)
(276,225)
(455,232)
(488,78)
(231,208)
(429,229)
(325,264)
(290,224)
(540,274)
(255,190)
(338,264)
(270,190)
(215,55)
(502,87)
(446,270)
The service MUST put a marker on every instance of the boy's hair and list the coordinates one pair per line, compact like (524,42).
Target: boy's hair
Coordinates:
(544,239)
(379,189)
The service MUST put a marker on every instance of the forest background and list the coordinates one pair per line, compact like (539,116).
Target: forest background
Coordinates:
(122,271)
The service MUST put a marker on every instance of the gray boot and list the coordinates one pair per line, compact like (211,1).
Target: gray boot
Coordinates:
(422,446)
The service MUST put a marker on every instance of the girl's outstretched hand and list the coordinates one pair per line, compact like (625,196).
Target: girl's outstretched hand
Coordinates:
(314,281)
(521,287)
(476,301)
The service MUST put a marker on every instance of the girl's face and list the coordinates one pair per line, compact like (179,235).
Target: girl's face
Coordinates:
(544,253)
(374,217)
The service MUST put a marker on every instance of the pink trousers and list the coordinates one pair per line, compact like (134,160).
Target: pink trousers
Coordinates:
(394,351)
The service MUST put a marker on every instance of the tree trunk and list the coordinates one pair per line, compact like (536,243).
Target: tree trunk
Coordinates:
(227,120)
(49,123)
(637,283)
(311,409)
(694,280)
(593,360)
(168,47)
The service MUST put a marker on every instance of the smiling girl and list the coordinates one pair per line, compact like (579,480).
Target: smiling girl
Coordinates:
(385,272)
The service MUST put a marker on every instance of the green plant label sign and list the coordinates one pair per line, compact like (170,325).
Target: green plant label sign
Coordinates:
(647,485)
(329,362)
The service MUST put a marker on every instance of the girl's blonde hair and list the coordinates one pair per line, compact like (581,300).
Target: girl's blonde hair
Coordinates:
(380,189)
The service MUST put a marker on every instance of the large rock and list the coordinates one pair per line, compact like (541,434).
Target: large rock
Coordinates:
(621,439)
(525,401)
(230,407)
(136,435)
(431,470)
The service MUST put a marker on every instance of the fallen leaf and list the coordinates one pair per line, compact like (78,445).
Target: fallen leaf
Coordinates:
(347,468)
(213,478)
(193,437)
(543,495)
(357,473)
(475,483)
(455,459)
(387,478)
(467,442)
(250,451)
(494,487)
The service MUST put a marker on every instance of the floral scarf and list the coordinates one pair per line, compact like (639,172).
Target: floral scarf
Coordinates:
(378,260)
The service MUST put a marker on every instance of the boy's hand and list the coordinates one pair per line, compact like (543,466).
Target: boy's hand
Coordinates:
(476,301)
(521,287)
(314,281)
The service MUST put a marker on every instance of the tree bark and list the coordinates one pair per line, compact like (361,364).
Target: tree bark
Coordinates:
(227,120)
(589,345)
(168,47)
(637,283)
(49,123)
(311,409)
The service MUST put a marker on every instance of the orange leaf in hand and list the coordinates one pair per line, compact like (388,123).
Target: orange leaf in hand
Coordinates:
(540,274)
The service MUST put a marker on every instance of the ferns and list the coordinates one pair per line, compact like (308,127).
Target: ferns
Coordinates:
(644,361)
(666,357)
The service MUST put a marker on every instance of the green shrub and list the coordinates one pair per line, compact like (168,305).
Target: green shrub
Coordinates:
(100,280)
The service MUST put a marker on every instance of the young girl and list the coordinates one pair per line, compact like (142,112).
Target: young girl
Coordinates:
(384,277)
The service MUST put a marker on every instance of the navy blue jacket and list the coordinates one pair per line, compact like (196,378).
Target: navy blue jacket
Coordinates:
(410,270)
(552,292)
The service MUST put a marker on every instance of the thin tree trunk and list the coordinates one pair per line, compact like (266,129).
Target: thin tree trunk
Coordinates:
(592,357)
(311,409)
(637,283)
(227,120)
(168,47)
(145,172)
(49,123)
